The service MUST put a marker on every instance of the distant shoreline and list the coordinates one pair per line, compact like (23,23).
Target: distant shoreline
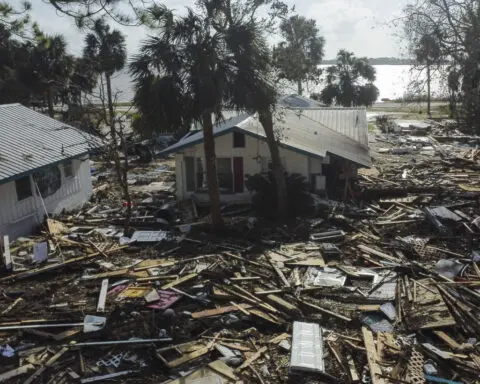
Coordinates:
(378,61)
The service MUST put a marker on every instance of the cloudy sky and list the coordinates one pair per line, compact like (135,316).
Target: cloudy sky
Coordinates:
(361,26)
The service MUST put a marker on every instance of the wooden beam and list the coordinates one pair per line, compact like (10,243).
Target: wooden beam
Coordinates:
(375,370)
(102,298)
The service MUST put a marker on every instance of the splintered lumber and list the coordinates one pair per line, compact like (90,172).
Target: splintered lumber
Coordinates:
(188,357)
(56,227)
(448,340)
(219,311)
(103,296)
(16,372)
(244,311)
(375,370)
(354,376)
(326,311)
(53,267)
(11,306)
(426,315)
(285,305)
(43,368)
(244,260)
(251,359)
(379,254)
(278,271)
(180,281)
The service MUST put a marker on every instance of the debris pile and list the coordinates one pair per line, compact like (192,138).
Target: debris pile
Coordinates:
(385,290)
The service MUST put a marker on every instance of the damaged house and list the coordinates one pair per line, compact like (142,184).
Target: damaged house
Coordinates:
(44,167)
(325,145)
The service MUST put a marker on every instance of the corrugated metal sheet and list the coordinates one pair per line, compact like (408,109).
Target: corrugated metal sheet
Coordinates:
(300,133)
(350,122)
(30,140)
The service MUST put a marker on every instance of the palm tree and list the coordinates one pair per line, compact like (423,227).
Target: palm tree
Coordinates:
(106,50)
(253,88)
(350,81)
(188,57)
(51,66)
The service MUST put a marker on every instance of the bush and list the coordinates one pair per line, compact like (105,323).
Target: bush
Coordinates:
(384,123)
(264,200)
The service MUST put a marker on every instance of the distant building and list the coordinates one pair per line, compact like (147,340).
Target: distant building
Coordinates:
(323,144)
(44,166)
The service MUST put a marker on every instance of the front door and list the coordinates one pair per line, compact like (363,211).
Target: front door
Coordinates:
(238,174)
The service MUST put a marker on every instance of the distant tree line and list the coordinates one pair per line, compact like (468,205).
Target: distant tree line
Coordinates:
(379,61)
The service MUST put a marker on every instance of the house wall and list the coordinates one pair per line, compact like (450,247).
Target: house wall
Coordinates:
(256,157)
(20,218)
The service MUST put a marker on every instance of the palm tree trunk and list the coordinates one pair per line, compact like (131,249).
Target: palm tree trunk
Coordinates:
(211,168)
(51,112)
(300,88)
(428,91)
(266,119)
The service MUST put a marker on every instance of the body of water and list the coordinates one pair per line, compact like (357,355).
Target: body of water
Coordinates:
(393,81)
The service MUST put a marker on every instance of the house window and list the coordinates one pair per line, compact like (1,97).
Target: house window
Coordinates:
(238,140)
(49,181)
(225,174)
(24,188)
(68,169)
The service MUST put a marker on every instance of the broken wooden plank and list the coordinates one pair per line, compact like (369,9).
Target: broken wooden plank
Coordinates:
(53,267)
(188,357)
(11,306)
(182,280)
(251,359)
(375,370)
(16,372)
(102,298)
(379,254)
(283,304)
(218,311)
(326,311)
(448,340)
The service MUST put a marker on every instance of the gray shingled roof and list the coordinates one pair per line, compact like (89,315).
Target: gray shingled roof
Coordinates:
(299,132)
(30,140)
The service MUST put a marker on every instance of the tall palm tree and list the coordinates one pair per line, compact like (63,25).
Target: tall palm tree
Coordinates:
(188,57)
(253,88)
(350,81)
(106,50)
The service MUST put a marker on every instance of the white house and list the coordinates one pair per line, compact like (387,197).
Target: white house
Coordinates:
(44,166)
(323,144)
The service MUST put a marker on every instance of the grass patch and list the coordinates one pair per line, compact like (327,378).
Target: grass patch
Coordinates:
(371,127)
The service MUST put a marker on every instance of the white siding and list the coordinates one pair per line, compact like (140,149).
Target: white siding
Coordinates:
(256,156)
(19,218)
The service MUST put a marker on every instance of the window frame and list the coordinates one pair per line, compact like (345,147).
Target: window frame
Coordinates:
(68,165)
(239,136)
(23,197)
